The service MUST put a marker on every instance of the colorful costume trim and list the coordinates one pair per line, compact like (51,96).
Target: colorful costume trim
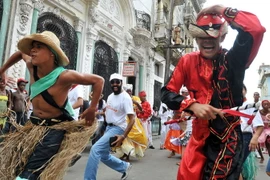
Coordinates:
(215,146)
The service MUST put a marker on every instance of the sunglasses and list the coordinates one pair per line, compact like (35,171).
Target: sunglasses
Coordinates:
(115,81)
(214,26)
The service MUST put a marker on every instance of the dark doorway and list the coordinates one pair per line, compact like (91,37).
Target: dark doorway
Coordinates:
(157,88)
(132,79)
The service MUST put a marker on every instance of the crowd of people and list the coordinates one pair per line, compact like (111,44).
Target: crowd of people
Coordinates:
(204,113)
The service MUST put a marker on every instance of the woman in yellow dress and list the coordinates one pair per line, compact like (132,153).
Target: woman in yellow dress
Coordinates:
(136,142)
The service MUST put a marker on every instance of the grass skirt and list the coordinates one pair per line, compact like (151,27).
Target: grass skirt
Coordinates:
(18,146)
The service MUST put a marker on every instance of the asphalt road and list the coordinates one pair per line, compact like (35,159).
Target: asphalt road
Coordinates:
(154,166)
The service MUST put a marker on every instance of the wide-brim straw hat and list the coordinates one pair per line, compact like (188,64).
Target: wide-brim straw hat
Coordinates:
(48,38)
(209,25)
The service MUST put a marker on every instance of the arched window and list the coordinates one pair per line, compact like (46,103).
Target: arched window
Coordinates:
(105,64)
(64,31)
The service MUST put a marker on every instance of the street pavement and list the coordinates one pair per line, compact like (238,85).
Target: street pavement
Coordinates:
(154,166)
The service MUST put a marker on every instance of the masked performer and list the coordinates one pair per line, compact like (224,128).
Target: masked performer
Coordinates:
(214,78)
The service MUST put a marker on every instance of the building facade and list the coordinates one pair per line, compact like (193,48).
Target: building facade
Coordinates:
(264,81)
(102,36)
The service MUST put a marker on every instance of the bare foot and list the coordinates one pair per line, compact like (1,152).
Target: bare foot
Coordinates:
(178,164)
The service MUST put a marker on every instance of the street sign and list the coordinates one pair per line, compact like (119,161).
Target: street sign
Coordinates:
(129,69)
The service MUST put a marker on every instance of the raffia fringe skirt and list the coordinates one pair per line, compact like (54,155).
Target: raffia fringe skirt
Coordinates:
(18,146)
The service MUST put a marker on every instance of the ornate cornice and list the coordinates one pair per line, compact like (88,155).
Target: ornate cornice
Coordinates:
(93,13)
(38,4)
(91,36)
(78,24)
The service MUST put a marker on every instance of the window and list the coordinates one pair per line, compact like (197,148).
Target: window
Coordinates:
(157,69)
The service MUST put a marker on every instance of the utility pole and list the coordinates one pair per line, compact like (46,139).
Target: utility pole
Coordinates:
(169,33)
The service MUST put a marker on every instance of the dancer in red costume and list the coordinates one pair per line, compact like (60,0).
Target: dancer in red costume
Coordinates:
(214,78)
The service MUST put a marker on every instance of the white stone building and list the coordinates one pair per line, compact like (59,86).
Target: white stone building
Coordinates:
(100,36)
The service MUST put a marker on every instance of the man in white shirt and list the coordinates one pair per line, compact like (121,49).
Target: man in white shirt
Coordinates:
(249,138)
(119,105)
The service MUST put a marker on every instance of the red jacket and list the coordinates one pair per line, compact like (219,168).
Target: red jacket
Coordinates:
(201,77)
(146,111)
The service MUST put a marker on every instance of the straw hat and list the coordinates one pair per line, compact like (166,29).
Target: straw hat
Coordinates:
(209,25)
(48,38)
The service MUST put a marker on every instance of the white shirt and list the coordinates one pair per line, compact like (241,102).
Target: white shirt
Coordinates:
(164,116)
(118,106)
(73,96)
(189,125)
(255,122)
(100,117)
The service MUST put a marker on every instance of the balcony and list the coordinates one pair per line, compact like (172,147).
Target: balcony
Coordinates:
(143,20)
(142,37)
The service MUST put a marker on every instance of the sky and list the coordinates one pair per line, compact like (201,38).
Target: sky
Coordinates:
(143,5)
(259,8)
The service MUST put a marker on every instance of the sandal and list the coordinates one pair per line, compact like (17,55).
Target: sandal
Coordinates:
(171,155)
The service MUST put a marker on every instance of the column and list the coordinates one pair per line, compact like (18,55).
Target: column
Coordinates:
(33,30)
(90,39)
(141,74)
(4,25)
(78,26)
(87,65)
